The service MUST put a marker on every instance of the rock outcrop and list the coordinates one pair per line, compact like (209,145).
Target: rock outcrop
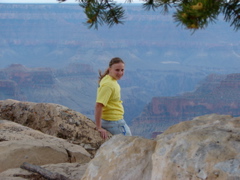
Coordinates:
(205,148)
(19,144)
(122,158)
(55,120)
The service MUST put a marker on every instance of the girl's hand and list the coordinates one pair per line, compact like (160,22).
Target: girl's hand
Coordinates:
(103,133)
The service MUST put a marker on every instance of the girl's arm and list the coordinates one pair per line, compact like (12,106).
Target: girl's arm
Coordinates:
(98,117)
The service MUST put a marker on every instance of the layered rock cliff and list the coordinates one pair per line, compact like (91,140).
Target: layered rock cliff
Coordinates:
(216,94)
(75,86)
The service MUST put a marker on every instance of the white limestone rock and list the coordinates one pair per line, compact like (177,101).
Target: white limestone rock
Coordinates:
(122,157)
(20,144)
(208,147)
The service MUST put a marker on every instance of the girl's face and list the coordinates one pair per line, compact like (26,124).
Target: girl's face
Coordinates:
(116,70)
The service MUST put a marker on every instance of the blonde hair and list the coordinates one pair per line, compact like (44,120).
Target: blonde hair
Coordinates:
(113,61)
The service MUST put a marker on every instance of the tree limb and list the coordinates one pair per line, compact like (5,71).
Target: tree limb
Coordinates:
(43,172)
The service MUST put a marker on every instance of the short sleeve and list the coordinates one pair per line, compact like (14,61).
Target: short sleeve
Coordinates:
(104,94)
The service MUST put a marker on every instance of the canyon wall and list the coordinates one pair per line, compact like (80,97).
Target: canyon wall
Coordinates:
(218,94)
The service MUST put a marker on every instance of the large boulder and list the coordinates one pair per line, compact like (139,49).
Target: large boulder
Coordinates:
(122,158)
(20,144)
(205,148)
(55,120)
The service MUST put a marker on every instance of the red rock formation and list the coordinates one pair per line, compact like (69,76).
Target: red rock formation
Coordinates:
(217,94)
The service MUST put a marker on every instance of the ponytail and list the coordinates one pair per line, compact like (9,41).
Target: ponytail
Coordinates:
(102,75)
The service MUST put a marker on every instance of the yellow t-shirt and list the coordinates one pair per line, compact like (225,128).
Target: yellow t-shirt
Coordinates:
(109,95)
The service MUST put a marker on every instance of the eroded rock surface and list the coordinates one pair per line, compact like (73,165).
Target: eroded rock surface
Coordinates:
(208,147)
(122,158)
(55,120)
(20,144)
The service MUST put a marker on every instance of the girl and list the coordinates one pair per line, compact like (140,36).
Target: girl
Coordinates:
(109,110)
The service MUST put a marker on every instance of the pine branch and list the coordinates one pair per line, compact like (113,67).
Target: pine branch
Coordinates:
(231,11)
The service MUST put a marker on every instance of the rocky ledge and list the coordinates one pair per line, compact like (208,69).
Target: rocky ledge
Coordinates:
(55,120)
(19,144)
(206,147)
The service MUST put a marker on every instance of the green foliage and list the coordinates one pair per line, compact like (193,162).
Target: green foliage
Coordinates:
(231,10)
(197,14)
(102,12)
(191,14)
(164,5)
